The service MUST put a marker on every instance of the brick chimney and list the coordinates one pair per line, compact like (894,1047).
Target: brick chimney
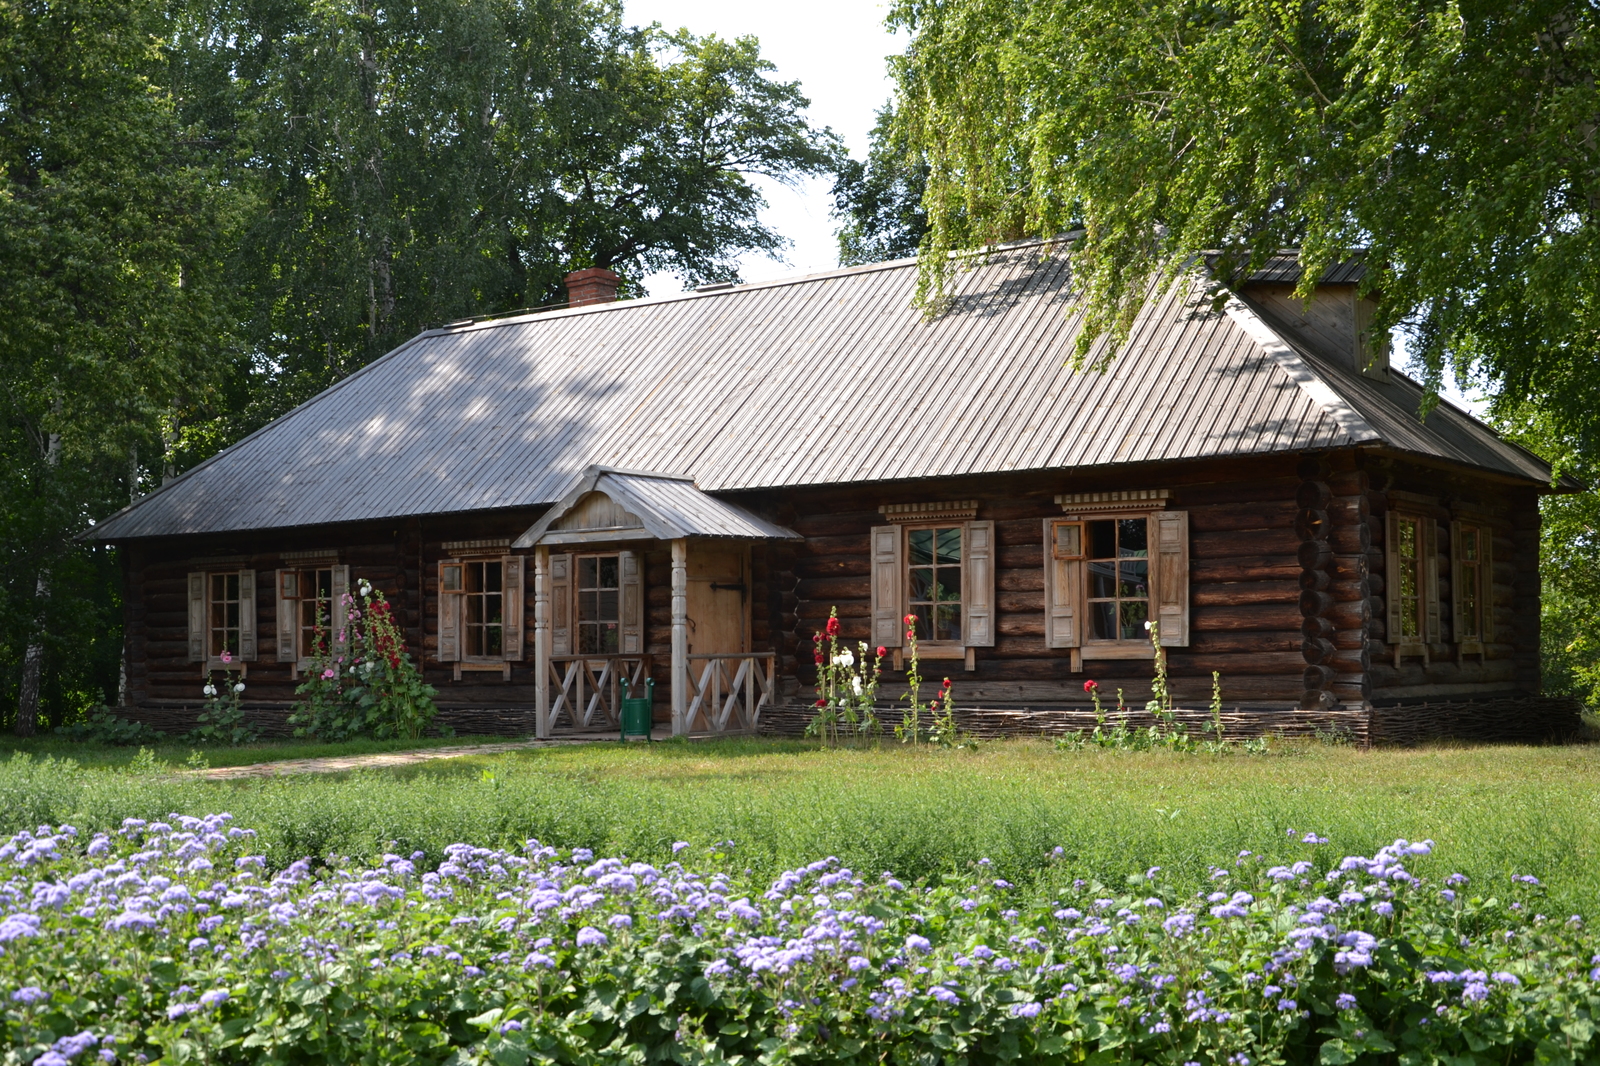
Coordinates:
(592,285)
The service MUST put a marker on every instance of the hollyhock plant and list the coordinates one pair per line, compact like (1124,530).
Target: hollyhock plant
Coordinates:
(847,687)
(363,683)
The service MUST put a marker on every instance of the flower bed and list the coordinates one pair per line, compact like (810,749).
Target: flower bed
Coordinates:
(172,942)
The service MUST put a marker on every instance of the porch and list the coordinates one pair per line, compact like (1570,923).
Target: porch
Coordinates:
(591,634)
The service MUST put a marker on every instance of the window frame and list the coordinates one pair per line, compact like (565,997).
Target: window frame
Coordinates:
(576,591)
(1092,643)
(468,595)
(1067,585)
(932,648)
(236,653)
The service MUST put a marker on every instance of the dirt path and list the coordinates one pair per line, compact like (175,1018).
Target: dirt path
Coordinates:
(333,764)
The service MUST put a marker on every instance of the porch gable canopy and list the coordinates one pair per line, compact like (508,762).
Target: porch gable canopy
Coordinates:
(607,505)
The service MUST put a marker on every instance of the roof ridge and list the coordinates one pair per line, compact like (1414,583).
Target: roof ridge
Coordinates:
(518,318)
(1316,387)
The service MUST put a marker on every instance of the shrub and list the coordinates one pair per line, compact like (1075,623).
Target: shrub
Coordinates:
(169,939)
(362,682)
(105,726)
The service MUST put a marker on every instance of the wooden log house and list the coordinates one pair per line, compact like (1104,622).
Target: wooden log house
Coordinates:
(684,487)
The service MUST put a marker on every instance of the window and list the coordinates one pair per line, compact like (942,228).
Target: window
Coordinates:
(599,592)
(222,625)
(935,564)
(1119,578)
(480,611)
(484,591)
(311,602)
(222,617)
(933,557)
(1411,578)
(1119,560)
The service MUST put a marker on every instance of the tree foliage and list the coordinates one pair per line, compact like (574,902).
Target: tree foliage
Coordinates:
(1454,139)
(212,209)
(878,201)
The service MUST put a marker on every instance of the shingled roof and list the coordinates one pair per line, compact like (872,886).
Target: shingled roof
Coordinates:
(823,379)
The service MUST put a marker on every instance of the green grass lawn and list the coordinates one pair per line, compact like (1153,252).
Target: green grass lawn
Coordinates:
(88,753)
(1492,811)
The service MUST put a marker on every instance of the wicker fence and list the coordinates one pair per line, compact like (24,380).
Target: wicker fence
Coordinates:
(1526,720)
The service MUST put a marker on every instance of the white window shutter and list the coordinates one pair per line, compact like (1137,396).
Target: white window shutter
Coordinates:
(511,606)
(1063,582)
(1391,576)
(1430,569)
(561,604)
(247,615)
(977,585)
(341,610)
(288,588)
(197,618)
(632,581)
(1172,577)
(449,606)
(888,584)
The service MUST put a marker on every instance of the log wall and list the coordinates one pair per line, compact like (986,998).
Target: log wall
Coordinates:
(1286,597)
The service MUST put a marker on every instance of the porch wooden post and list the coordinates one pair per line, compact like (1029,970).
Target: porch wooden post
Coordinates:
(541,640)
(680,637)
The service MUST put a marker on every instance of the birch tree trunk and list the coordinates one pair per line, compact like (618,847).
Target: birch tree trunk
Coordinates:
(33,658)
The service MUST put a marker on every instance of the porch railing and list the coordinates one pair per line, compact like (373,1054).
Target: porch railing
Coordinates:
(586,690)
(727,693)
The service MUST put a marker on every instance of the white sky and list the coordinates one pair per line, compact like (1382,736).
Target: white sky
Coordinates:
(835,49)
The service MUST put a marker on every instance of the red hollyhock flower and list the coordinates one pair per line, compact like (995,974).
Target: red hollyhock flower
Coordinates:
(820,658)
(833,627)
(911,619)
(822,703)
(882,651)
(947,684)
(1090,686)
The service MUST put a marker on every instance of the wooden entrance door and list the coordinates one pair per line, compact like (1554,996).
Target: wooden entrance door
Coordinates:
(718,598)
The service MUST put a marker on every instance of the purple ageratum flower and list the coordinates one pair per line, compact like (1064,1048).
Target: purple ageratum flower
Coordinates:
(540,960)
(1476,992)
(1312,838)
(1527,879)
(512,1026)
(679,846)
(73,1046)
(1287,1005)
(1026,1010)
(1345,1001)
(214,998)
(52,1058)
(918,944)
(1505,978)
(857,963)
(944,995)
(620,921)
(28,995)
(15,926)
(590,937)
